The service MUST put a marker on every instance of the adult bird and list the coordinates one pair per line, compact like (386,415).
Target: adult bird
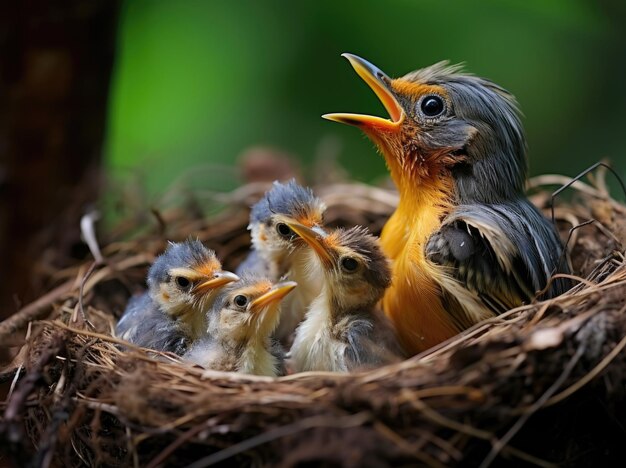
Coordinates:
(182,283)
(465,241)
(240,327)
(276,251)
(343,329)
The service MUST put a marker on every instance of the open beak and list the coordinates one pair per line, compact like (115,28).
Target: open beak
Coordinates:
(314,239)
(274,295)
(380,84)
(221,278)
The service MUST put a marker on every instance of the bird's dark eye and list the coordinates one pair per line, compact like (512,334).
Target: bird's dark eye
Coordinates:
(432,106)
(284,230)
(240,300)
(182,282)
(349,264)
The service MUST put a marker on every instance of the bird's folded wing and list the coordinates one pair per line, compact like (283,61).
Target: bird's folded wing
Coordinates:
(133,316)
(371,342)
(503,254)
(144,324)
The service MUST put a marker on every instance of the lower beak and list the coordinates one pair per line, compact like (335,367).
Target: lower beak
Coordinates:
(274,295)
(314,240)
(379,82)
(220,279)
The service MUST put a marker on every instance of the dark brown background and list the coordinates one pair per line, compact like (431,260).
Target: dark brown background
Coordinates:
(55,67)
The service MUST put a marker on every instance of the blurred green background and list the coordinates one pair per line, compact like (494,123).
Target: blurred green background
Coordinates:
(197,82)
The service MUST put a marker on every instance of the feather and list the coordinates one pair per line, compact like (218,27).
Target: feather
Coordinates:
(515,251)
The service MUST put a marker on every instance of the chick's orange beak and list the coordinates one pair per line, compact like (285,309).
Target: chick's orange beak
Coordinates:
(221,278)
(274,295)
(314,239)
(380,84)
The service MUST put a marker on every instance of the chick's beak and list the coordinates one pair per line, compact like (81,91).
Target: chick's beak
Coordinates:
(315,240)
(221,278)
(379,82)
(273,296)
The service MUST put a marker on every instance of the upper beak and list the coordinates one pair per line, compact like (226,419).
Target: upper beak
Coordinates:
(272,296)
(380,84)
(220,279)
(314,239)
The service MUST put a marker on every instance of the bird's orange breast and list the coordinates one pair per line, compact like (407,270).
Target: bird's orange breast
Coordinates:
(413,302)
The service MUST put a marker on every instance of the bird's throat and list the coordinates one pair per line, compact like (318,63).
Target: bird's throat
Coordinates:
(413,301)
(423,204)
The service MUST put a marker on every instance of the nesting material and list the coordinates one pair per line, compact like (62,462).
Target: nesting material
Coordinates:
(541,384)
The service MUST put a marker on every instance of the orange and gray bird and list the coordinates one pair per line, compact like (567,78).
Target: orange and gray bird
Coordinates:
(466,243)
(343,329)
(278,254)
(240,326)
(182,285)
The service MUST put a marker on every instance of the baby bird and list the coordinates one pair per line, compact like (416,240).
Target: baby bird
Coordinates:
(343,330)
(182,283)
(277,253)
(239,330)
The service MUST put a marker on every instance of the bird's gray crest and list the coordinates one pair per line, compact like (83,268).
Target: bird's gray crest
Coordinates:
(290,199)
(185,254)
(245,280)
(437,72)
(365,244)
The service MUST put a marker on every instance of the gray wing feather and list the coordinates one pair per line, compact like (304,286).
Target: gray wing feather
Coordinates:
(371,342)
(505,253)
(278,352)
(145,324)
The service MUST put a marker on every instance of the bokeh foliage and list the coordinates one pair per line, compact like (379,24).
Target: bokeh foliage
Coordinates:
(199,81)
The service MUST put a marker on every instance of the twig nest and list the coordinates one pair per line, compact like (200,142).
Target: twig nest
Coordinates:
(518,386)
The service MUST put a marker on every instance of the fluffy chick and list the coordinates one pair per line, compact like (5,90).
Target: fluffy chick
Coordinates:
(239,329)
(343,329)
(182,283)
(279,254)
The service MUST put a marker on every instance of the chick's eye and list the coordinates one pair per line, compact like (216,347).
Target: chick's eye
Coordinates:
(284,230)
(349,264)
(240,300)
(432,106)
(182,282)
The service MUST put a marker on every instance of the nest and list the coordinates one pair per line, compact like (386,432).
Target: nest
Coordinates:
(541,384)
